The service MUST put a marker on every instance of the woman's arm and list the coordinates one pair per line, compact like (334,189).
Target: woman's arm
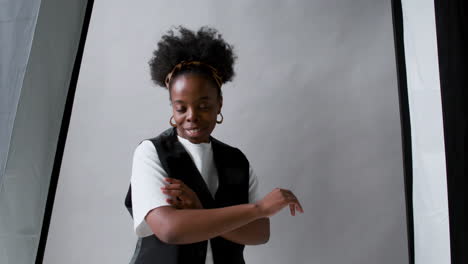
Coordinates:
(254,233)
(248,232)
(184,226)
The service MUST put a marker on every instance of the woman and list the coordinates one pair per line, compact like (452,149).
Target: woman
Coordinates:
(195,199)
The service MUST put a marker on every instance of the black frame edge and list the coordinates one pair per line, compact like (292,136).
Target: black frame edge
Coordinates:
(451,22)
(397,18)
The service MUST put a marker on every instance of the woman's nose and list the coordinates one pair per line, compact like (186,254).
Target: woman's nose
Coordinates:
(192,115)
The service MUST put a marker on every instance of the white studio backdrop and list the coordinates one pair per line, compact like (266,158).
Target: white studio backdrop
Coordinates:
(314,106)
(430,204)
(39,40)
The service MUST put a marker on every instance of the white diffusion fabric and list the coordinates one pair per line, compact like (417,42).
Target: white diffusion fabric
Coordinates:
(17,24)
(430,205)
(39,45)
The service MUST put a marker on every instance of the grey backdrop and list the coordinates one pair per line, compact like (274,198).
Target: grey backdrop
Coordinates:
(314,107)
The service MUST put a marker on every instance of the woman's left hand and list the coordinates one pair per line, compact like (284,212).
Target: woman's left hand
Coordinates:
(182,196)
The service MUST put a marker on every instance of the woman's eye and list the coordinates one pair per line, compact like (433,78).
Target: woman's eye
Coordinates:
(203,106)
(180,110)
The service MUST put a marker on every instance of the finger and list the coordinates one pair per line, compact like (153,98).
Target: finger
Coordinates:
(291,208)
(184,197)
(173,192)
(172,180)
(169,194)
(301,209)
(172,186)
(293,203)
(289,202)
(299,206)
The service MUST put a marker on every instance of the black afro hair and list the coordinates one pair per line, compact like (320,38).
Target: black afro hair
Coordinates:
(205,45)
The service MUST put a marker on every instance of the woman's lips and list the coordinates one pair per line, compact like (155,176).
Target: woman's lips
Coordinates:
(194,132)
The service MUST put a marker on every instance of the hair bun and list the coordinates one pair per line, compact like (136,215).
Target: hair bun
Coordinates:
(205,48)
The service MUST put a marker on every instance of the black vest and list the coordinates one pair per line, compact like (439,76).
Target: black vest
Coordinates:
(233,187)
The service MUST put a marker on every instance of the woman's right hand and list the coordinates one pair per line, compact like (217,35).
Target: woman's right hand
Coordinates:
(276,200)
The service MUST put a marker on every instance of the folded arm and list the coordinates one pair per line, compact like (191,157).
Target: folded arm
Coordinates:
(184,226)
(254,233)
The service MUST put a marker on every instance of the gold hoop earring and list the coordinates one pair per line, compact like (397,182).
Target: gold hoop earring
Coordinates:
(220,121)
(170,122)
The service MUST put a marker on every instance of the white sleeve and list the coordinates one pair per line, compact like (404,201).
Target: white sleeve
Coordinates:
(146,180)
(254,194)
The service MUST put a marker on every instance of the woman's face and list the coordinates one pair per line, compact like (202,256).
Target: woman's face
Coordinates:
(195,106)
